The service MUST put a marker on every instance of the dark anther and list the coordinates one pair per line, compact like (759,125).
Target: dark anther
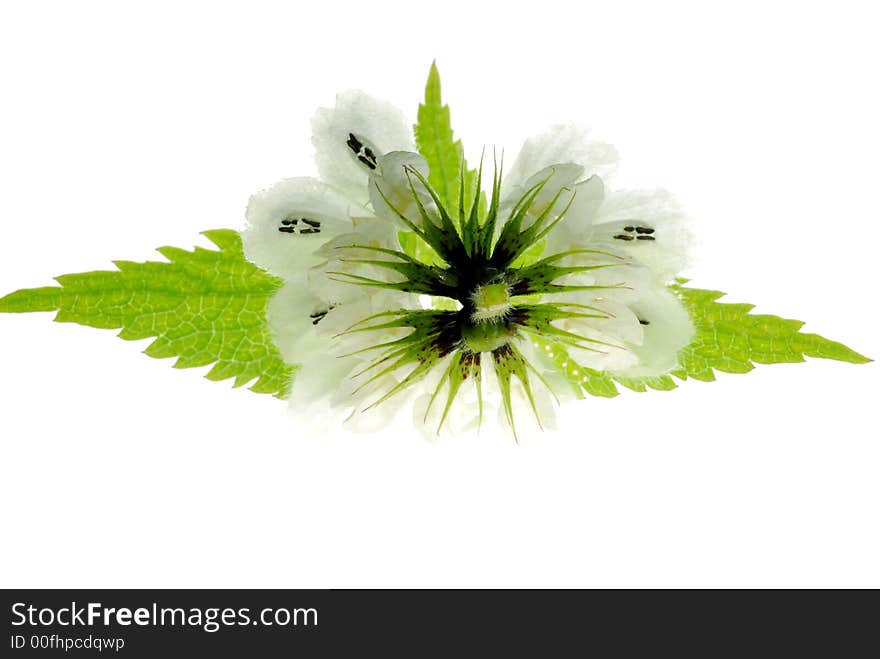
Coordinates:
(644,322)
(630,229)
(318,316)
(623,236)
(648,230)
(299,226)
(368,152)
(645,238)
(354,143)
(364,153)
(367,162)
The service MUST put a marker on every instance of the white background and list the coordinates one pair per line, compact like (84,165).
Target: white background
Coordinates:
(125,126)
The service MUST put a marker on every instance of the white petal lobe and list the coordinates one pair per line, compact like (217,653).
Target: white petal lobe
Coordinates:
(565,143)
(288,222)
(350,137)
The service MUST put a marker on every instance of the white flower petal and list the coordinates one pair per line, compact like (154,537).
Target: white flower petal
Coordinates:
(620,281)
(350,137)
(391,186)
(574,227)
(558,176)
(317,381)
(292,316)
(331,383)
(667,329)
(559,182)
(335,281)
(346,316)
(288,222)
(648,224)
(600,351)
(324,397)
(565,143)
(620,322)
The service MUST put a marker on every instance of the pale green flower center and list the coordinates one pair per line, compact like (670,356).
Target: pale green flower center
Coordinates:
(491,302)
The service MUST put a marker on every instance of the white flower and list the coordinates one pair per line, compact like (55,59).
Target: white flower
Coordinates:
(645,227)
(464,325)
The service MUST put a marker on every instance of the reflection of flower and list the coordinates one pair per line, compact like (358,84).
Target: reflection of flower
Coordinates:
(547,259)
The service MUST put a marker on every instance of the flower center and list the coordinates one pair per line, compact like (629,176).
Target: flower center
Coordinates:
(483,323)
(491,302)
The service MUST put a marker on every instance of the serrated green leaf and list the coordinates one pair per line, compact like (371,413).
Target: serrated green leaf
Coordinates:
(438,146)
(203,306)
(597,383)
(731,339)
(657,383)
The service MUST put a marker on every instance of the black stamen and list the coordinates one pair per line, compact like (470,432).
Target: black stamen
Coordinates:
(644,230)
(623,236)
(354,143)
(645,238)
(364,153)
(630,229)
(318,316)
(368,163)
(644,322)
(299,226)
(368,152)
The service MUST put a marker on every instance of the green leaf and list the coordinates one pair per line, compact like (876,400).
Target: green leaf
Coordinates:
(203,306)
(443,152)
(657,382)
(731,339)
(597,383)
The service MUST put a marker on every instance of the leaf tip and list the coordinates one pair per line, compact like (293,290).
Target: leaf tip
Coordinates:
(26,300)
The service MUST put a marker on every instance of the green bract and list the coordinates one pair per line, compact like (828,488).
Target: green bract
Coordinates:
(444,154)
